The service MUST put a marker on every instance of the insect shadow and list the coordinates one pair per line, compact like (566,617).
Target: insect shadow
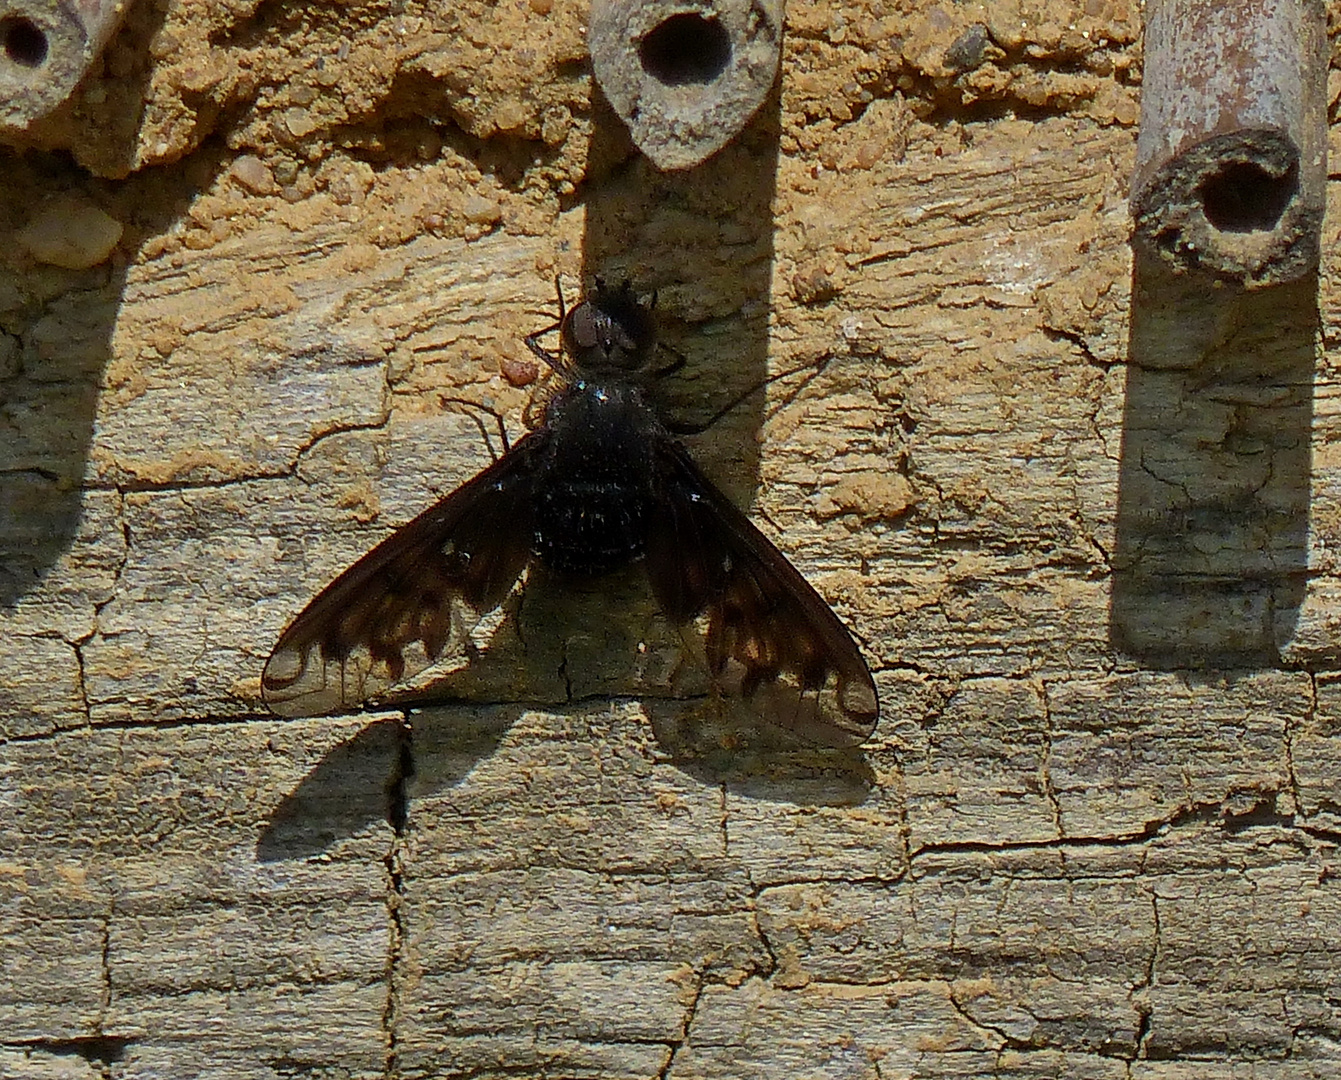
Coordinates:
(600,497)
(363,782)
(369,779)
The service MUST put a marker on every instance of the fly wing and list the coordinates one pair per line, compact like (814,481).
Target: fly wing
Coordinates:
(769,635)
(392,614)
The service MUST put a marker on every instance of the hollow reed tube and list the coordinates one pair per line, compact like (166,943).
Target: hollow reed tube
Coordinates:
(46,46)
(1231,165)
(685,76)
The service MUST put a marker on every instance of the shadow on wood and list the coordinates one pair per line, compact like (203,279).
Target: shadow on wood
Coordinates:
(703,238)
(722,744)
(47,408)
(353,786)
(1210,561)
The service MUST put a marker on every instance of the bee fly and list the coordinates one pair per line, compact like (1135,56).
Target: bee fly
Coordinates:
(599,483)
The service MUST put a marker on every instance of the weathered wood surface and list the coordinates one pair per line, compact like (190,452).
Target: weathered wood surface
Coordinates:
(1057,857)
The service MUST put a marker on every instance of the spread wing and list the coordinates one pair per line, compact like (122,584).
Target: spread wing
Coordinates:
(395,611)
(769,637)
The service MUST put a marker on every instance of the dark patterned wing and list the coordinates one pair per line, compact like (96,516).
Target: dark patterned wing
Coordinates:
(419,592)
(769,636)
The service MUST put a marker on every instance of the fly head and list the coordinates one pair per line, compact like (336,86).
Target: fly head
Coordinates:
(610,331)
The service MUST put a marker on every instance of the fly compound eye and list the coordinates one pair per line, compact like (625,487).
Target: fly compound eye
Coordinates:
(582,331)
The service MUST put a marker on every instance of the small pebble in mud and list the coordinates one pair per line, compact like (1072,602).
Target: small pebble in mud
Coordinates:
(299,122)
(254,175)
(969,50)
(813,284)
(519,372)
(479,210)
(71,233)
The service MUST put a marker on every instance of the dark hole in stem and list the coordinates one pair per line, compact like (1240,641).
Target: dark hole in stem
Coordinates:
(1243,197)
(24,42)
(686,48)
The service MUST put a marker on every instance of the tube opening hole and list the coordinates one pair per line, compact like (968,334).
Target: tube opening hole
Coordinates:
(23,41)
(1243,197)
(686,48)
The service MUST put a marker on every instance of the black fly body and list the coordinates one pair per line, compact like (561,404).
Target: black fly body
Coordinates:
(600,482)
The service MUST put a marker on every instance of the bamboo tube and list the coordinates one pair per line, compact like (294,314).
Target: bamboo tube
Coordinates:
(1231,165)
(685,76)
(46,46)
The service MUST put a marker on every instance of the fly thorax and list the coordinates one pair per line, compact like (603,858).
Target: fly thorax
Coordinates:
(594,490)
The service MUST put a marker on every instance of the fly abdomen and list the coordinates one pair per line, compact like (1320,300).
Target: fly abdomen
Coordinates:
(590,526)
